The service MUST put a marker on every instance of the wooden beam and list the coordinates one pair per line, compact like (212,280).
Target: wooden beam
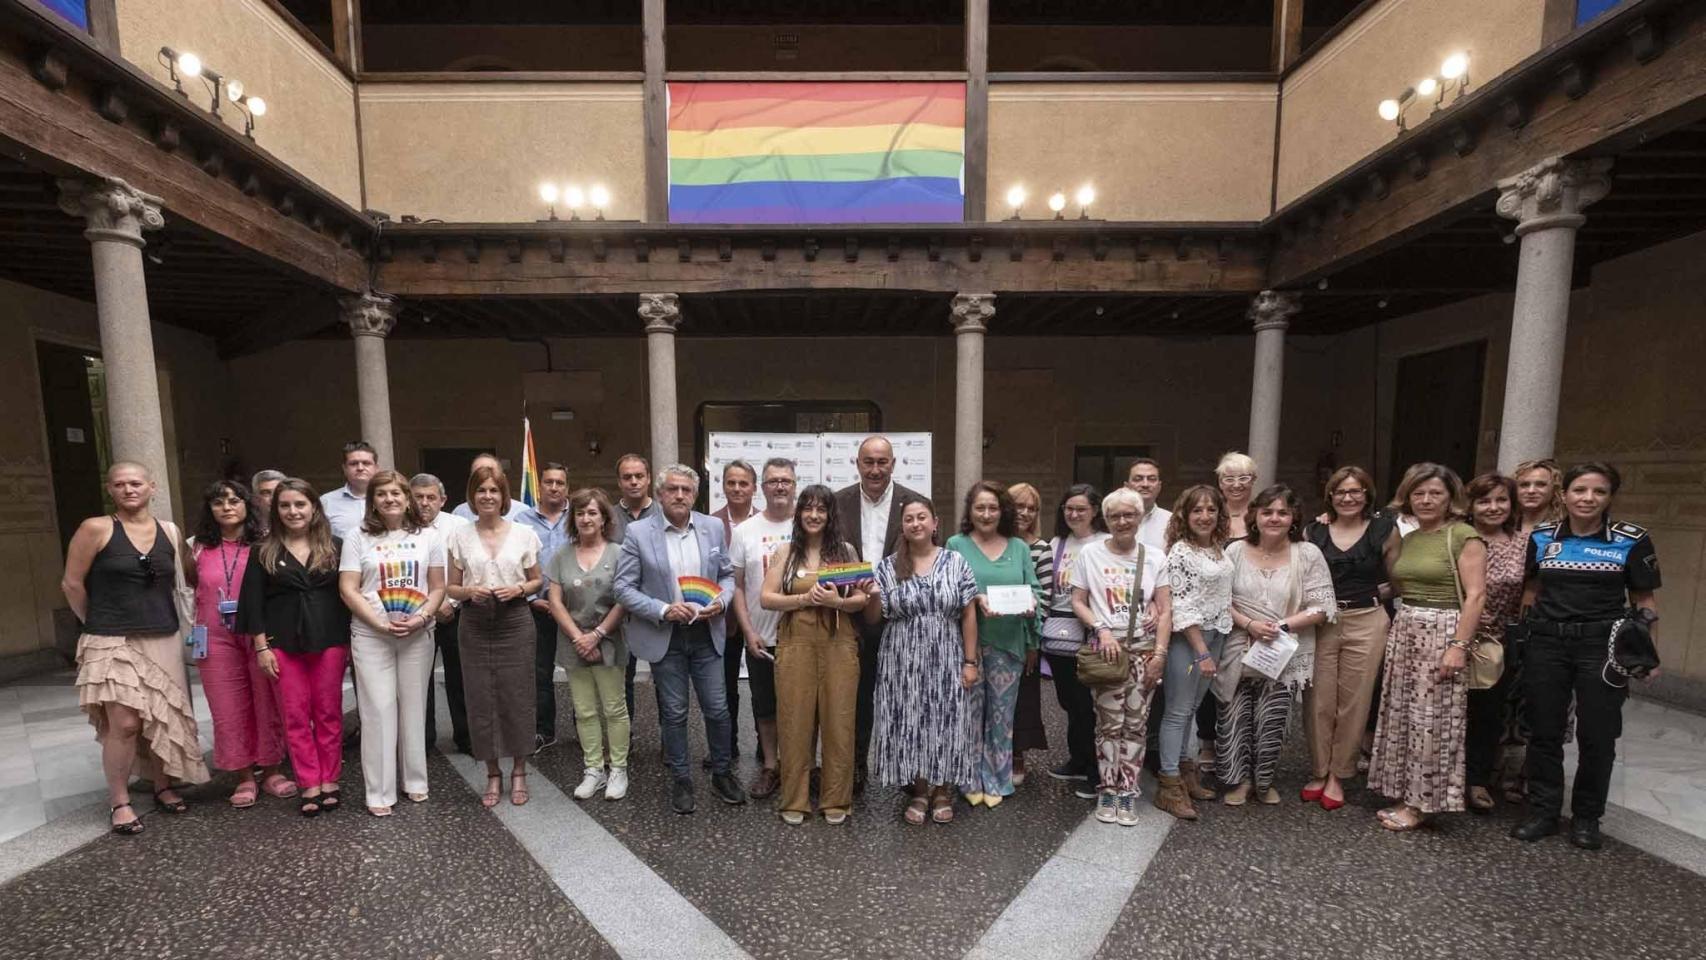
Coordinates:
(977,109)
(103,25)
(292,319)
(61,134)
(346,34)
(1288,34)
(656,112)
(1053,258)
(1627,103)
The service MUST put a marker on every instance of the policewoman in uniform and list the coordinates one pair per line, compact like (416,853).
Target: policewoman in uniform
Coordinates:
(1584,573)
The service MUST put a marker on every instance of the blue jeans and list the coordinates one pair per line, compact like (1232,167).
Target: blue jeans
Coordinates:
(1185,686)
(692,659)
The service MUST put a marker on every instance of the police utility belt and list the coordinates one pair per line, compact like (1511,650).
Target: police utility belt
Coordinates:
(1629,648)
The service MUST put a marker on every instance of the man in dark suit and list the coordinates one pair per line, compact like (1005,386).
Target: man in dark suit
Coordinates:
(683,642)
(869,513)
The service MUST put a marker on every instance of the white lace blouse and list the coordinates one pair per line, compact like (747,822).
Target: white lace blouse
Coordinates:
(1202,588)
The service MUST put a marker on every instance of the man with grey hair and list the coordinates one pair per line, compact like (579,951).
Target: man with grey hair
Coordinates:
(755,543)
(740,481)
(681,631)
(263,484)
(427,491)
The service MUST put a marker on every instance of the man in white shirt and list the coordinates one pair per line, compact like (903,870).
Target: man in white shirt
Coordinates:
(465,509)
(755,542)
(427,491)
(869,514)
(347,505)
(1144,478)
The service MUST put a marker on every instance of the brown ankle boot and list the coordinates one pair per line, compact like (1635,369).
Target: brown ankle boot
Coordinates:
(1171,798)
(1192,782)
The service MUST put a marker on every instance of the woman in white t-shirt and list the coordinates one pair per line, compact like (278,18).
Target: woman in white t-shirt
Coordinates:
(494,568)
(391,576)
(1113,580)
(1077,524)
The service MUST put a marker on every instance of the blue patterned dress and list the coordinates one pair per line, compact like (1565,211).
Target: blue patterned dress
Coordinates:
(922,726)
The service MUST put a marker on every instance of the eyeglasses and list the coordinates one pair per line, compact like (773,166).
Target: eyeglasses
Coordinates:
(1349,494)
(1240,478)
(778,482)
(146,563)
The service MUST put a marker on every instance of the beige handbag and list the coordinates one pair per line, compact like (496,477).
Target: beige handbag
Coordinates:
(1095,670)
(1487,657)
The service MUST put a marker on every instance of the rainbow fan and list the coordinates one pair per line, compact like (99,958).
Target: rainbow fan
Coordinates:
(844,574)
(698,590)
(400,603)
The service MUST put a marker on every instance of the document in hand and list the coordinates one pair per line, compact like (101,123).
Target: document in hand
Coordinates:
(1011,601)
(1269,659)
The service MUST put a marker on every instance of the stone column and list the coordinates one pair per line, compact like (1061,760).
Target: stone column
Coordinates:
(1270,314)
(971,311)
(117,214)
(370,317)
(662,314)
(1546,200)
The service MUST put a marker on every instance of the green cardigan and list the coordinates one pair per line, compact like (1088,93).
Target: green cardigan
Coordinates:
(1010,635)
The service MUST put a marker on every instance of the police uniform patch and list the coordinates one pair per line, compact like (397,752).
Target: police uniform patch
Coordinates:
(1652,562)
(1553,549)
(1631,530)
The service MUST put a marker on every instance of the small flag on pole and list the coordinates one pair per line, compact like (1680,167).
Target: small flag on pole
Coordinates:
(529,466)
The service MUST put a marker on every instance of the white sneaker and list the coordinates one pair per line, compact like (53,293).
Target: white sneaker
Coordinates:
(618,786)
(591,782)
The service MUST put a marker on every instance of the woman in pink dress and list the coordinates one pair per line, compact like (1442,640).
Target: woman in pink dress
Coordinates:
(248,730)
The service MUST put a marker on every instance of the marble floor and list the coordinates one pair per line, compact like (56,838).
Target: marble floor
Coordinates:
(1036,878)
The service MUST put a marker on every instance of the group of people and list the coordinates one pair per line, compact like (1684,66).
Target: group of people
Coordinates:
(1443,644)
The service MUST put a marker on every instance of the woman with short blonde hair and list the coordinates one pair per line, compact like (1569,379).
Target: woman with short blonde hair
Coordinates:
(1028,730)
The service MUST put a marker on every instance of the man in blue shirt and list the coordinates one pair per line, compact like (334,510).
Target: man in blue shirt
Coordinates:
(345,506)
(549,519)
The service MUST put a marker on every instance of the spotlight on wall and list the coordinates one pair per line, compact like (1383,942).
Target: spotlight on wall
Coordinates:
(1456,67)
(252,107)
(1057,203)
(180,64)
(1086,196)
(599,198)
(574,198)
(1392,110)
(548,195)
(1015,199)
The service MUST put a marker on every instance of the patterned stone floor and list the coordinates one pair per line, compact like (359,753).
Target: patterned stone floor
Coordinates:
(449,879)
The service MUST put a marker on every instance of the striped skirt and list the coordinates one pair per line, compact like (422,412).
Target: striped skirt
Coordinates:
(1418,744)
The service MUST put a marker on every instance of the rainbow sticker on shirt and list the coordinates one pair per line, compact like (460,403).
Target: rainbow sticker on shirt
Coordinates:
(844,574)
(400,594)
(698,590)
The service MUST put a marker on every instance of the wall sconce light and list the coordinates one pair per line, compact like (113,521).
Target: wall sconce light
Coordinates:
(250,105)
(1086,196)
(593,444)
(1015,199)
(573,199)
(1057,203)
(1453,75)
(548,193)
(1393,109)
(179,65)
(599,198)
(182,63)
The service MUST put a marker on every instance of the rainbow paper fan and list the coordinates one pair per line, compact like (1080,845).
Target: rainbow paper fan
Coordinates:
(844,574)
(400,603)
(698,590)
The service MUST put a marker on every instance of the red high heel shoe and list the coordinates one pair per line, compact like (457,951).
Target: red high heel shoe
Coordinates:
(1310,796)
(1328,803)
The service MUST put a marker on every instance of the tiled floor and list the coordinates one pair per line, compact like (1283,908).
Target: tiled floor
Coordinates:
(595,879)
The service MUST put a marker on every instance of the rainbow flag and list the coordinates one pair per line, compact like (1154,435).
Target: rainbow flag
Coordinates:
(844,574)
(698,590)
(817,152)
(529,466)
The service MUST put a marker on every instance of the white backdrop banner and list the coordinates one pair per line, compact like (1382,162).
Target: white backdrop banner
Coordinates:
(826,458)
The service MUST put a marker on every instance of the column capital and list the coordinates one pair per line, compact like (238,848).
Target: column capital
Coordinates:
(113,209)
(972,311)
(660,311)
(1273,310)
(369,314)
(1553,193)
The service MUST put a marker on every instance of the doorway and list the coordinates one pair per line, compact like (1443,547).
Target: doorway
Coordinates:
(1106,467)
(451,465)
(74,403)
(1437,414)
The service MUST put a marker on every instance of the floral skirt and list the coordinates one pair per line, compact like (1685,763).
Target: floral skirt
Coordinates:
(1419,742)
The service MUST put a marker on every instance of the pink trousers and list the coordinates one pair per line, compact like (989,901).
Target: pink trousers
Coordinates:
(311,692)
(247,728)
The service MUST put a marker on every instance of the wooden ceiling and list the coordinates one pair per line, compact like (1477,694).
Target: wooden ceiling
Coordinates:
(1221,12)
(195,280)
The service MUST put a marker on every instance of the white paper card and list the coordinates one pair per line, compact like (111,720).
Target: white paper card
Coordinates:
(1269,659)
(1011,601)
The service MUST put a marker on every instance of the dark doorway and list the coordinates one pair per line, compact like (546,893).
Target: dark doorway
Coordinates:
(450,465)
(73,397)
(1437,416)
(1106,467)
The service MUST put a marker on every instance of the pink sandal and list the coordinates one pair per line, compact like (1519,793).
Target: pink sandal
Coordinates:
(244,796)
(279,785)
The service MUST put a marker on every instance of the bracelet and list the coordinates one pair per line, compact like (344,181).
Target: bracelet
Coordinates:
(1205,655)
(968,663)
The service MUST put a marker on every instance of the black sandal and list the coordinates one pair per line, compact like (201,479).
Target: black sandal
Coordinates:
(176,806)
(329,801)
(130,829)
(311,806)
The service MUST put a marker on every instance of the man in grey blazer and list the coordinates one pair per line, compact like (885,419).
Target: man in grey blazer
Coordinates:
(870,519)
(683,642)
